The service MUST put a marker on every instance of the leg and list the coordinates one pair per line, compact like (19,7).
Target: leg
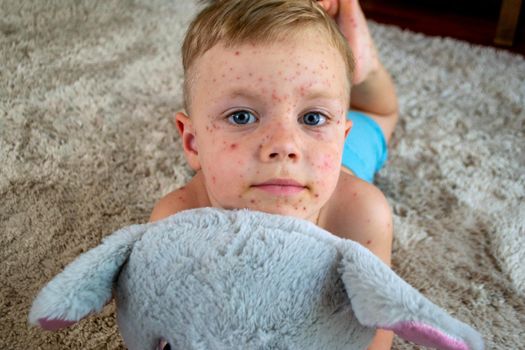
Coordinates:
(376,97)
(365,150)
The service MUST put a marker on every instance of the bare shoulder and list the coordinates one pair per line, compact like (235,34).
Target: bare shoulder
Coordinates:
(171,203)
(187,197)
(359,211)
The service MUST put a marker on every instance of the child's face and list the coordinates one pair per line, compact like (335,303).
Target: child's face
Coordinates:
(268,123)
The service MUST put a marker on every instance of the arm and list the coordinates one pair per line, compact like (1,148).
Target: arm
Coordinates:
(359,211)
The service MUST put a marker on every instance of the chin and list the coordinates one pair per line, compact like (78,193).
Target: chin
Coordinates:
(287,211)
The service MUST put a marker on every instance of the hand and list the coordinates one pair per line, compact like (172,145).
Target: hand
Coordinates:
(352,23)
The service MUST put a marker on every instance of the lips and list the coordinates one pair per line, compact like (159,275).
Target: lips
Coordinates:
(280,186)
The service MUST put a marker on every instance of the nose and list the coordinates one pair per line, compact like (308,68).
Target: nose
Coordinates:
(280,144)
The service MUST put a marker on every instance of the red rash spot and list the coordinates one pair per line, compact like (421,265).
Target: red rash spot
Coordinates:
(304,208)
(355,194)
(316,195)
(319,137)
(233,146)
(237,53)
(252,201)
(214,179)
(368,242)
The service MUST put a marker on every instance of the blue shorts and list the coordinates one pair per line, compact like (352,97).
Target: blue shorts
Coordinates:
(365,151)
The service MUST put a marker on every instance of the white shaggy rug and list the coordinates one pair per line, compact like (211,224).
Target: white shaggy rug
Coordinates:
(87,89)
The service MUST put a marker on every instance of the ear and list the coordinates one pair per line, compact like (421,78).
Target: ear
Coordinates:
(85,285)
(381,299)
(189,139)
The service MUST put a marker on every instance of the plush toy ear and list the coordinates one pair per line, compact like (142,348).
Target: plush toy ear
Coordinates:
(85,285)
(381,299)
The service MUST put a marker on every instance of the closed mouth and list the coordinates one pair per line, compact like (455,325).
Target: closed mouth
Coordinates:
(281,186)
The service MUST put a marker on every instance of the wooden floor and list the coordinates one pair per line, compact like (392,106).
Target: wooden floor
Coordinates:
(461,19)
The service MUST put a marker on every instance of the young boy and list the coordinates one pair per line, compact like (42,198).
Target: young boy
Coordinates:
(268,85)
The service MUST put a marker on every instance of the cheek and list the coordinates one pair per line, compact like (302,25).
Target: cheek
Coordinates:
(227,160)
(326,162)
(214,136)
(327,167)
(232,151)
(330,163)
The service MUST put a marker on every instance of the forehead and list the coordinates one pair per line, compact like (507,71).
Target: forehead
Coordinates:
(309,42)
(306,61)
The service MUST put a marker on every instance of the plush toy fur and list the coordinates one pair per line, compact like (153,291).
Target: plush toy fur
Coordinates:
(217,279)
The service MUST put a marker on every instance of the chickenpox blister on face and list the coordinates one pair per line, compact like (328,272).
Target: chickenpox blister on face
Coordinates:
(280,78)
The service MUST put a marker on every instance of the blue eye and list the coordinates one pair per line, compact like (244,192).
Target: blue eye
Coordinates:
(314,119)
(242,118)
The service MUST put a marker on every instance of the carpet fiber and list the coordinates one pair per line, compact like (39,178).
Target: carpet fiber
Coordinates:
(87,91)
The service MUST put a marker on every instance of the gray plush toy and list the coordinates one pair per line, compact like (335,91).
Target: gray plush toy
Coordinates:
(218,279)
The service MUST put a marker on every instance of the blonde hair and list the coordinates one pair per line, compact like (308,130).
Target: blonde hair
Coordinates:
(235,22)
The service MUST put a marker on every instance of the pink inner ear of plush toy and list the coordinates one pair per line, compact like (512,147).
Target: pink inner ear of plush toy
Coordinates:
(54,324)
(426,335)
